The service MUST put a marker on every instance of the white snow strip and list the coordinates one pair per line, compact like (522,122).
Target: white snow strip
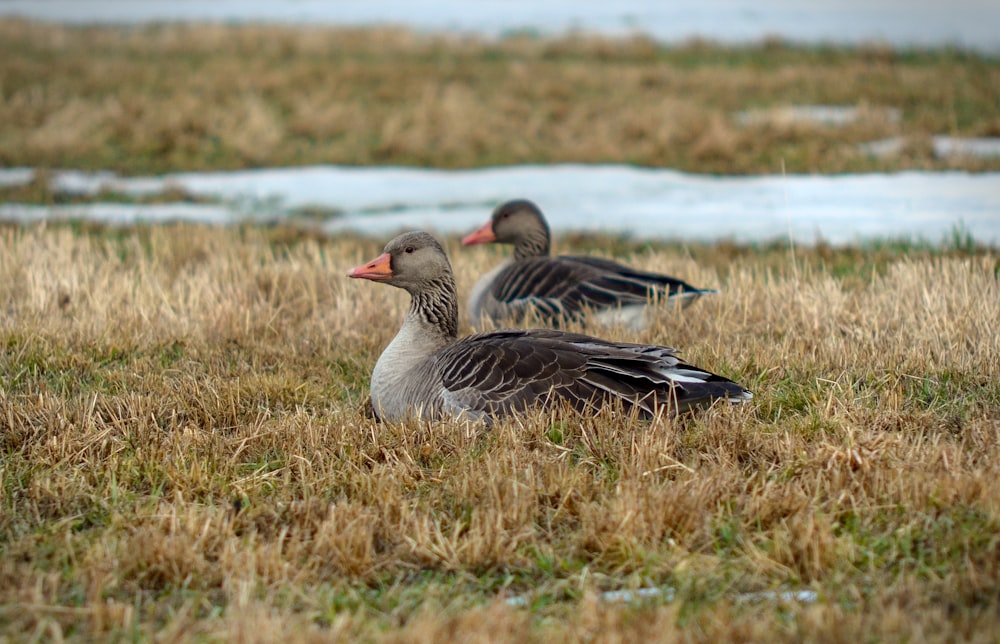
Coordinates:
(986,147)
(668,594)
(982,147)
(10,177)
(889,147)
(968,23)
(118,214)
(827,115)
(615,199)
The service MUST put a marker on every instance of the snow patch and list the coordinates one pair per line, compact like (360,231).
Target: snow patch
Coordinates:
(117,214)
(882,148)
(11,177)
(952,146)
(965,23)
(667,594)
(615,199)
(826,115)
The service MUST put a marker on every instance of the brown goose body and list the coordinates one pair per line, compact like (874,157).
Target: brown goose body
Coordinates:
(427,371)
(563,288)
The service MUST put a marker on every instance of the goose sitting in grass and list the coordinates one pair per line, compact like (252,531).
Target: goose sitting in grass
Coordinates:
(427,371)
(559,289)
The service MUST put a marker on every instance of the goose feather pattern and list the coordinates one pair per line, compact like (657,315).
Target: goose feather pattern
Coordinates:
(559,289)
(426,371)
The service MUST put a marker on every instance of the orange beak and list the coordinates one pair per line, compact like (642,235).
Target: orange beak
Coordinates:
(482,235)
(377,270)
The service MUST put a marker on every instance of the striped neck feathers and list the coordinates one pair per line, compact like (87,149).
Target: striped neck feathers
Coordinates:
(534,243)
(436,305)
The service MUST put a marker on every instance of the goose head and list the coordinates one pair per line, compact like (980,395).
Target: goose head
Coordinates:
(413,261)
(518,222)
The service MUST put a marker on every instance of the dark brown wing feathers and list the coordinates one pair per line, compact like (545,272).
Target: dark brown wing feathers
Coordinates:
(565,287)
(502,371)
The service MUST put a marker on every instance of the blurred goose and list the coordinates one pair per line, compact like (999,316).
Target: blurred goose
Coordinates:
(427,371)
(558,289)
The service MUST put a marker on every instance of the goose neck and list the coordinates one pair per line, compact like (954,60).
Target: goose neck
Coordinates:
(435,308)
(533,244)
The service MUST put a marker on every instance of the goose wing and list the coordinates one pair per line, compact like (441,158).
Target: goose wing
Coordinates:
(663,285)
(502,371)
(565,287)
(649,375)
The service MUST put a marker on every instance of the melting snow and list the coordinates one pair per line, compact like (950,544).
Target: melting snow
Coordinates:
(667,594)
(969,23)
(829,115)
(983,147)
(642,202)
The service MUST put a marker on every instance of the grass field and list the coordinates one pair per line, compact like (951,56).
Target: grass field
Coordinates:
(185,448)
(162,98)
(186,454)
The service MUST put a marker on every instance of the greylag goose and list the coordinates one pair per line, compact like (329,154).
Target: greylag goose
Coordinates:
(559,289)
(427,371)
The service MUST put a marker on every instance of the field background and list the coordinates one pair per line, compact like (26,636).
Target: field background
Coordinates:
(156,99)
(185,446)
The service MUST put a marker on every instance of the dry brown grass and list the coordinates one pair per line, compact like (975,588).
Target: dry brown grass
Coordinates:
(185,97)
(185,454)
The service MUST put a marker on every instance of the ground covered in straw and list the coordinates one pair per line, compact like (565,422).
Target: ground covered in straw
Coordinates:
(185,452)
(191,97)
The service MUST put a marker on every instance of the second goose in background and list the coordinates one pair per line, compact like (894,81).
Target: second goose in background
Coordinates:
(564,288)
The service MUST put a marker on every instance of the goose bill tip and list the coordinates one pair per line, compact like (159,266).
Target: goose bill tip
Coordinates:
(482,235)
(377,270)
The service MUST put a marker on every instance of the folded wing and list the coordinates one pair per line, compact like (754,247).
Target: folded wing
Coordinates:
(498,372)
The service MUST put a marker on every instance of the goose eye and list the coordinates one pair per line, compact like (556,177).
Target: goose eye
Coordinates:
(408,250)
